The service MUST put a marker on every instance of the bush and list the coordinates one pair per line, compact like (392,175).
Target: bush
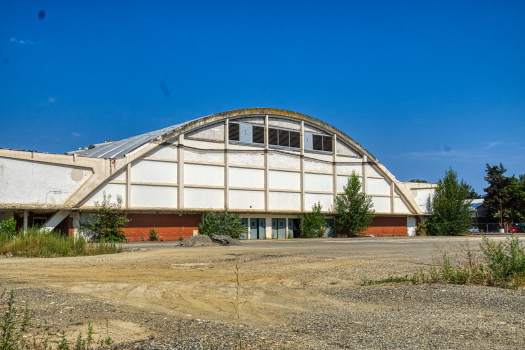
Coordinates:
(222,223)
(46,244)
(106,225)
(8,226)
(421,229)
(153,235)
(313,224)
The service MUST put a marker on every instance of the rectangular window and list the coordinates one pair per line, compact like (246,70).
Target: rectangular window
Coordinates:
(327,143)
(258,134)
(273,136)
(233,131)
(284,138)
(318,142)
(295,139)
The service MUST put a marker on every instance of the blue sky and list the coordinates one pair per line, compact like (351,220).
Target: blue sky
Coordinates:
(423,85)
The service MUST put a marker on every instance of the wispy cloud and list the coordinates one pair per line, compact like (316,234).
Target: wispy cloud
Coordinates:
(22,41)
(51,99)
(76,134)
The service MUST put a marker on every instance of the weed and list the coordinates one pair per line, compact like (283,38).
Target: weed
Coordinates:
(108,340)
(80,344)
(153,235)
(237,304)
(63,345)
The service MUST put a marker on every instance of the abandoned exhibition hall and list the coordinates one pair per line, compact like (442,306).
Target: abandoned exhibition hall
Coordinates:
(267,165)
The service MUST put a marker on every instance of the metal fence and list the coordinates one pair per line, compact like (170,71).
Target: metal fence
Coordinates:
(494,227)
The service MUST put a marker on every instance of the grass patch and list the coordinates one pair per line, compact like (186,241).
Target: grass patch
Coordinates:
(498,265)
(34,243)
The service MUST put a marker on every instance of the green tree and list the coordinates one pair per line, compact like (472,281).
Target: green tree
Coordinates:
(451,211)
(8,227)
(106,225)
(419,181)
(354,208)
(222,223)
(313,224)
(499,197)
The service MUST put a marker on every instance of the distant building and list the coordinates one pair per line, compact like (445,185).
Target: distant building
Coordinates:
(268,165)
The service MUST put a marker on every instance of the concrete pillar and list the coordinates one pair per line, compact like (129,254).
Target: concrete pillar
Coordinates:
(392,193)
(76,223)
(180,173)
(364,164)
(266,167)
(334,168)
(226,163)
(302,168)
(128,185)
(26,220)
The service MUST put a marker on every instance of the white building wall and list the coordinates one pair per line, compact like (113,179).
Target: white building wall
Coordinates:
(326,200)
(153,171)
(371,171)
(400,206)
(423,198)
(285,201)
(343,181)
(284,180)
(348,169)
(203,198)
(378,186)
(165,152)
(244,177)
(317,166)
(27,182)
(204,175)
(212,157)
(111,189)
(153,196)
(250,200)
(381,204)
(245,159)
(283,161)
(318,182)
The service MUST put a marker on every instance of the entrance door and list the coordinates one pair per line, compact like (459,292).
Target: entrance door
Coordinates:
(262,228)
(293,228)
(254,228)
(411,226)
(329,228)
(244,235)
(274,228)
(281,230)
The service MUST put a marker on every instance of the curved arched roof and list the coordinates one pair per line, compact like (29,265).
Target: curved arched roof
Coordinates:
(118,149)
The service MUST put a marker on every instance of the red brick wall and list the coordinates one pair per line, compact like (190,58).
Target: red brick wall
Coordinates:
(169,227)
(388,226)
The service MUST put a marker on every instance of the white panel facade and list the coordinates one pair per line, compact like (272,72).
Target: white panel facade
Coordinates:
(203,144)
(203,198)
(317,166)
(381,204)
(348,169)
(152,171)
(371,171)
(213,157)
(27,182)
(343,181)
(254,159)
(246,200)
(211,132)
(285,201)
(326,200)
(111,189)
(253,120)
(423,198)
(244,177)
(204,175)
(378,186)
(400,206)
(344,149)
(153,196)
(318,182)
(284,180)
(120,176)
(165,152)
(283,123)
(309,128)
(283,161)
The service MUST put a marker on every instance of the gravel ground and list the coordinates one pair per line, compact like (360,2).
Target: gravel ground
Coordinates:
(324,308)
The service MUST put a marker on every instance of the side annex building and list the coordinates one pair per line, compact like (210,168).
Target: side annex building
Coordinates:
(268,165)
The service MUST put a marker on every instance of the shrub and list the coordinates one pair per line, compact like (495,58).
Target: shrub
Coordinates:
(313,224)
(106,225)
(222,223)
(8,226)
(153,235)
(34,243)
(354,208)
(421,229)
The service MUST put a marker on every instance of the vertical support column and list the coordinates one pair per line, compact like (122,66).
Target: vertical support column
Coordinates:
(392,193)
(226,163)
(180,173)
(75,216)
(266,167)
(26,220)
(364,164)
(128,186)
(302,168)
(334,169)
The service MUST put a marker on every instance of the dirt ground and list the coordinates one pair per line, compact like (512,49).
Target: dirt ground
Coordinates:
(278,280)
